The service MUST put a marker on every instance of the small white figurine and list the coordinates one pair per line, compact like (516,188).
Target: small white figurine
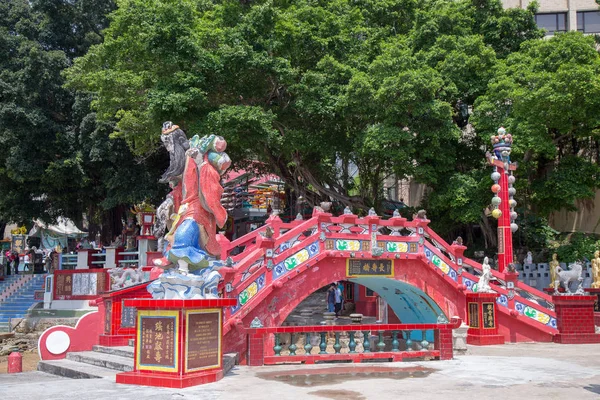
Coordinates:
(483,286)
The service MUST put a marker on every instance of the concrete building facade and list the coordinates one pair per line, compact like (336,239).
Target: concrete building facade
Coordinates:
(563,15)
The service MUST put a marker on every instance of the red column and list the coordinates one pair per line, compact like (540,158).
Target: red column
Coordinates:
(505,251)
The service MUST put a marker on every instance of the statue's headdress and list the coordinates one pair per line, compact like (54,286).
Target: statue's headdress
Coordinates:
(168,127)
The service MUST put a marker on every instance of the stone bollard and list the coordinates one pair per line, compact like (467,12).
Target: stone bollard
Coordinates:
(356,319)
(329,318)
(459,339)
(15,362)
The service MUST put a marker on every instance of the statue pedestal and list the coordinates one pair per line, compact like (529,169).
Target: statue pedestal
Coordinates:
(119,320)
(575,319)
(596,293)
(481,317)
(178,343)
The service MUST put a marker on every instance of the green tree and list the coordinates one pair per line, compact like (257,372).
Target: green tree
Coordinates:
(547,95)
(58,159)
(308,89)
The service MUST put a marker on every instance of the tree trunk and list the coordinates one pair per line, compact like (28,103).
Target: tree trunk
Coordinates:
(489,234)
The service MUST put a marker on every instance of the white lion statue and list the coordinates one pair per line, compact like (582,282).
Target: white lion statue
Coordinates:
(565,277)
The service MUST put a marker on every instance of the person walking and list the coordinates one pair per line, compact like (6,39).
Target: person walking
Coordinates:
(9,261)
(16,262)
(338,300)
(331,298)
(340,287)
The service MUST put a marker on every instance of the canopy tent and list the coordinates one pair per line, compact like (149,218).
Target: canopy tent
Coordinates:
(53,235)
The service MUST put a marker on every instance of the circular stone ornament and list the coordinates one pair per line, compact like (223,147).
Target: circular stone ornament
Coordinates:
(58,342)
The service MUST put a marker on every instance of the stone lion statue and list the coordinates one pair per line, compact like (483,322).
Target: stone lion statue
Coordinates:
(565,277)
(124,277)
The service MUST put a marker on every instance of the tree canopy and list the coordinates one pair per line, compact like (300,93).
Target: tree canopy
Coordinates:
(56,158)
(308,90)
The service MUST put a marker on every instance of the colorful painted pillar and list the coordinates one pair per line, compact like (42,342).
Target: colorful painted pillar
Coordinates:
(503,201)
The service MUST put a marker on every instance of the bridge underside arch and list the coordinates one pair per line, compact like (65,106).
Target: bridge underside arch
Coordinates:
(410,304)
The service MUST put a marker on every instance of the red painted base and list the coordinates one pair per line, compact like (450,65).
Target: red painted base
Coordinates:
(115,340)
(170,381)
(575,319)
(576,338)
(485,340)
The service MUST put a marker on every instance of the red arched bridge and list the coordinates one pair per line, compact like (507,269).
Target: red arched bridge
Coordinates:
(423,279)
(418,274)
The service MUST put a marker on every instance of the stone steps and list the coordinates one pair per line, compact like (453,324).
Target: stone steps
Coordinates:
(74,369)
(110,361)
(105,362)
(121,351)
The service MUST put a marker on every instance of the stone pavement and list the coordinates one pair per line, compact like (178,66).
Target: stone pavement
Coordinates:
(513,371)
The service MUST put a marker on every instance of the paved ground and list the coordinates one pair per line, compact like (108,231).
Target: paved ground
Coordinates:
(523,371)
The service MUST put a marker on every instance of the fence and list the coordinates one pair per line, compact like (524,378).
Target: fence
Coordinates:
(353,343)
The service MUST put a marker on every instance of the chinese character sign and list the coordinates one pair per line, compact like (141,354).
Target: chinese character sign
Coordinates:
(370,267)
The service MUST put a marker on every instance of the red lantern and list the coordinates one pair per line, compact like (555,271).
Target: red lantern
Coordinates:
(495,188)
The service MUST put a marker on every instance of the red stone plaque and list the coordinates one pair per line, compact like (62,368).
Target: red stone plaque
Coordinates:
(473,315)
(203,345)
(157,342)
(489,318)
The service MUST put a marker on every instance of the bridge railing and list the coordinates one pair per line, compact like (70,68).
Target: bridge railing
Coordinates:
(354,343)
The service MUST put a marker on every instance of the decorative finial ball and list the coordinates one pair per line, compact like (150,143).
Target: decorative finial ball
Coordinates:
(512,203)
(512,191)
(513,215)
(511,179)
(495,176)
(501,131)
(496,213)
(514,227)
(495,188)
(496,201)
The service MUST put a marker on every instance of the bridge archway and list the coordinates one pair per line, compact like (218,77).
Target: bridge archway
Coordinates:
(417,283)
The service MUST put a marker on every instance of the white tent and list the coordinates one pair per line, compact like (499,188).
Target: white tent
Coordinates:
(53,235)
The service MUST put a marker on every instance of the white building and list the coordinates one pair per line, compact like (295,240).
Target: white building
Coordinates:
(563,15)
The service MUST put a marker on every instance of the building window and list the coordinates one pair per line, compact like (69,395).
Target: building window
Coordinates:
(588,21)
(555,22)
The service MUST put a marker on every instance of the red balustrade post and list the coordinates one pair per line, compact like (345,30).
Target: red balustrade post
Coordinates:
(443,343)
(256,349)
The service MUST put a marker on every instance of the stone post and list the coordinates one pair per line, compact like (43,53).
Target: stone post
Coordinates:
(575,319)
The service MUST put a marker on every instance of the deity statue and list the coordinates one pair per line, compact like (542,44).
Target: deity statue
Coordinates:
(554,265)
(596,270)
(192,212)
(483,286)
